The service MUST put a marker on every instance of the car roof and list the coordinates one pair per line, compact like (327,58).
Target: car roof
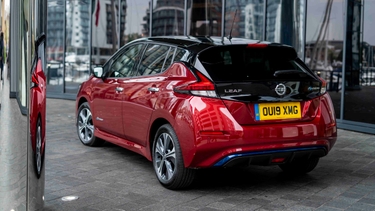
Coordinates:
(199,43)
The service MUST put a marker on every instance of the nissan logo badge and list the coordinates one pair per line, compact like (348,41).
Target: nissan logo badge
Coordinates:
(280,89)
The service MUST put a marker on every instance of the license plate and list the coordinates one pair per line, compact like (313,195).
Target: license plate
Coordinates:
(274,111)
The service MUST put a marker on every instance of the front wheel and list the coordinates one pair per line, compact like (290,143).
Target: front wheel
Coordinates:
(168,161)
(85,126)
(301,166)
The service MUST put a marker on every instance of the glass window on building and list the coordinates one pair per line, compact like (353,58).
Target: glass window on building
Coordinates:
(324,44)
(77,42)
(137,20)
(22,95)
(359,100)
(115,23)
(55,46)
(204,17)
(244,19)
(168,17)
(285,23)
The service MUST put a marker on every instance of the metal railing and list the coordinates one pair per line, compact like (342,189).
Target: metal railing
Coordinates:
(333,78)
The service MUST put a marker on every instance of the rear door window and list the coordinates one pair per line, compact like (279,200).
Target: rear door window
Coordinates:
(153,59)
(169,58)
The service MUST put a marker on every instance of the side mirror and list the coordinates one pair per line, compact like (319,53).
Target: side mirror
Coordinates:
(98,72)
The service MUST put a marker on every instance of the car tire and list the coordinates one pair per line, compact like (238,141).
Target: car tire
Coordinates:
(168,161)
(301,166)
(38,154)
(85,126)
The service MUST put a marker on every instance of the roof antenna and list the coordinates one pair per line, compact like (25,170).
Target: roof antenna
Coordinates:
(230,33)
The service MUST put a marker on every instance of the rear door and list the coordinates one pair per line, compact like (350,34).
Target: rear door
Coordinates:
(143,90)
(269,80)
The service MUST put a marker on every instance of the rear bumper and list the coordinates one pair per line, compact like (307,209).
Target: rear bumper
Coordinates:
(270,157)
(221,152)
(217,139)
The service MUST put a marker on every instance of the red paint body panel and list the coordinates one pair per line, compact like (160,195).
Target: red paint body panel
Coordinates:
(138,106)
(107,106)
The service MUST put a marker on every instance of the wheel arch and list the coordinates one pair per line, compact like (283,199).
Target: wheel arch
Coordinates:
(81,101)
(153,129)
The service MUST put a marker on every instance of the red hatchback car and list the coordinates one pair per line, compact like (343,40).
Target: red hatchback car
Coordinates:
(197,102)
(38,105)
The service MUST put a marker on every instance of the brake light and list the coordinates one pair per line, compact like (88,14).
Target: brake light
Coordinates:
(257,45)
(203,87)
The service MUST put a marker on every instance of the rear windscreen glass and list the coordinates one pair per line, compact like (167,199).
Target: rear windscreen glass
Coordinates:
(242,63)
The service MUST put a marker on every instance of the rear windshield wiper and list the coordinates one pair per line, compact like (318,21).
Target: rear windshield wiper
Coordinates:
(213,63)
(288,72)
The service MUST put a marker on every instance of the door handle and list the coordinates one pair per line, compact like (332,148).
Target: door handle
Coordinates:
(153,89)
(119,89)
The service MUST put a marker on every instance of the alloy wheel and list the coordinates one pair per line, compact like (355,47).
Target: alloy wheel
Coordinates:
(38,148)
(85,125)
(165,157)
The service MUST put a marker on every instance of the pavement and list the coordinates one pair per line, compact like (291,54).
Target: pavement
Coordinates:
(112,178)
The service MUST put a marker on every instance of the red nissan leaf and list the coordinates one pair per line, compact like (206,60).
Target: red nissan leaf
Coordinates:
(37,113)
(187,103)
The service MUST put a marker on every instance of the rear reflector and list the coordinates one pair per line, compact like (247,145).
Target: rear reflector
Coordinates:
(210,133)
(278,160)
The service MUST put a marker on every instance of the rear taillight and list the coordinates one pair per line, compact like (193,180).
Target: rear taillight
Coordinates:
(35,75)
(323,89)
(34,80)
(203,87)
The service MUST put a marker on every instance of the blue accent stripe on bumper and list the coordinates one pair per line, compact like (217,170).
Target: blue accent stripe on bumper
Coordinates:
(229,157)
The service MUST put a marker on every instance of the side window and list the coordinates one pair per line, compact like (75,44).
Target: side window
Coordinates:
(153,59)
(169,59)
(123,65)
(181,55)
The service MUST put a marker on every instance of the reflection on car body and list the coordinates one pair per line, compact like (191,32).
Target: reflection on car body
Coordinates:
(38,105)
(190,102)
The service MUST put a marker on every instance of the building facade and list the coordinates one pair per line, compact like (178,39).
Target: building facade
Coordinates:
(322,32)
(22,99)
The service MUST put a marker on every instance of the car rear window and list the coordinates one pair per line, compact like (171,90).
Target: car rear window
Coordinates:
(242,63)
